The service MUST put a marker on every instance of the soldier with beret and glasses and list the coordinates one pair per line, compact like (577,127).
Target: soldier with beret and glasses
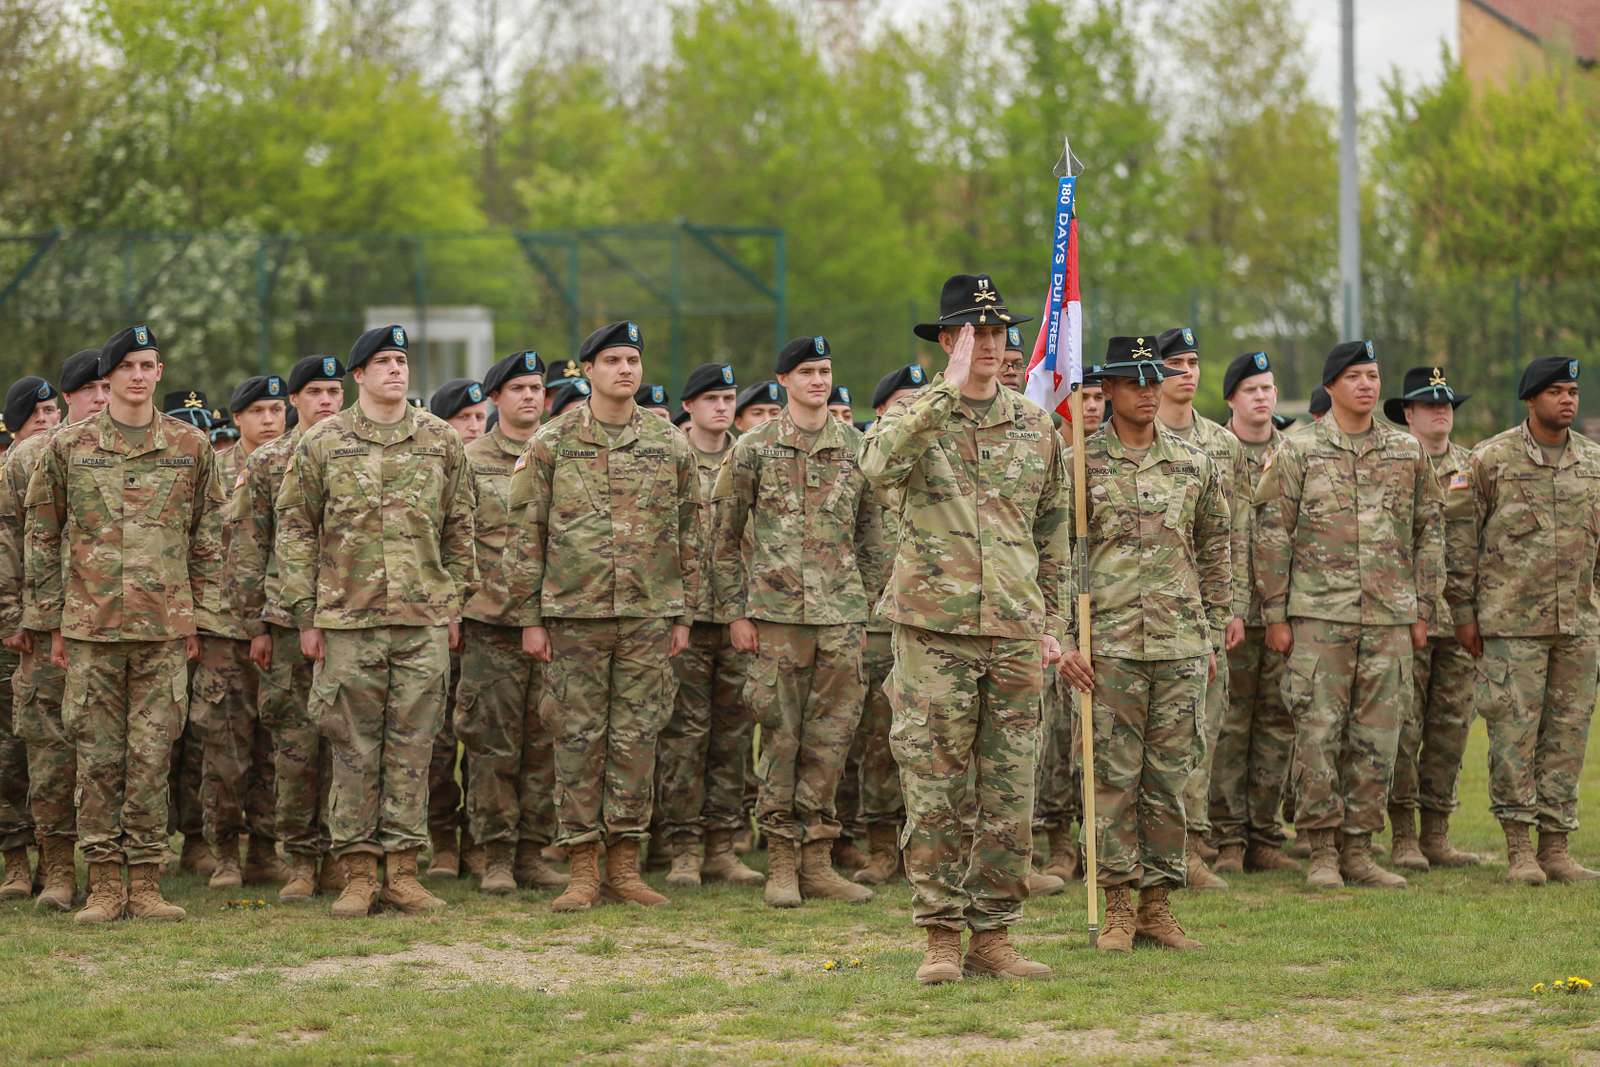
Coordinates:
(1347,550)
(302,759)
(1522,593)
(374,545)
(1433,736)
(124,550)
(976,596)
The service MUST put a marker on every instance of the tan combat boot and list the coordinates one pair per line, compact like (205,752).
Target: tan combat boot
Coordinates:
(474,858)
(197,857)
(990,954)
(1207,853)
(1156,922)
(1116,930)
(685,871)
(1358,867)
(107,898)
(553,854)
(330,876)
(360,892)
(446,861)
(1198,875)
(1436,844)
(401,890)
(1230,860)
(225,873)
(60,876)
(1299,846)
(1063,855)
(883,856)
(1520,863)
(144,895)
(1324,872)
(1557,863)
(722,864)
(783,885)
(301,883)
(1264,857)
(744,841)
(261,866)
(819,881)
(622,881)
(941,961)
(532,872)
(846,856)
(19,876)
(498,877)
(1044,885)
(1405,851)
(583,889)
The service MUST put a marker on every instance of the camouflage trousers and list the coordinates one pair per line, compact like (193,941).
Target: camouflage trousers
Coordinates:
(1197,793)
(16,821)
(37,688)
(1060,778)
(1433,735)
(609,689)
(124,709)
(871,768)
(1147,724)
(700,754)
(185,810)
(966,712)
(805,688)
(236,788)
(379,694)
(1537,696)
(511,794)
(446,813)
(1255,748)
(302,758)
(1347,687)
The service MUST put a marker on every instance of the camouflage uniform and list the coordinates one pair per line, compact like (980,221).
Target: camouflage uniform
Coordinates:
(620,517)
(124,544)
(1347,546)
(1059,781)
(977,581)
(878,789)
(374,547)
(511,793)
(445,813)
(302,761)
(16,821)
(1522,565)
(1255,745)
(1159,581)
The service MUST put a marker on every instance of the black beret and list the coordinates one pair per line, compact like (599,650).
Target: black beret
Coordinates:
(1345,355)
(448,400)
(79,369)
(802,350)
(1176,341)
(839,395)
(1246,366)
(1091,375)
(23,397)
(314,369)
(121,343)
(291,418)
(911,376)
(1282,422)
(1132,357)
(1540,375)
(768,392)
(651,396)
(516,365)
(707,377)
(611,335)
(1013,339)
(567,393)
(1321,402)
(260,387)
(190,406)
(378,339)
(681,418)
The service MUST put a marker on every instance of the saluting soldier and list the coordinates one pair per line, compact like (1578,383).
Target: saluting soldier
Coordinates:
(611,492)
(976,599)
(1522,592)
(124,543)
(374,545)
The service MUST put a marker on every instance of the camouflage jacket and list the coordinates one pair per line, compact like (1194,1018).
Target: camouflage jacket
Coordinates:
(375,523)
(1449,470)
(1159,535)
(492,458)
(708,466)
(124,544)
(254,584)
(221,617)
(815,542)
(1348,530)
(1246,601)
(1522,555)
(1233,470)
(984,543)
(888,504)
(16,597)
(603,529)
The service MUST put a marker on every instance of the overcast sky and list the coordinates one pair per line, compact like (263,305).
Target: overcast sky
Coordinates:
(1389,34)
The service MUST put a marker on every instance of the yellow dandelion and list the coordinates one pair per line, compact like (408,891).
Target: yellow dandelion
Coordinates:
(855,961)
(829,965)
(1584,982)
(1538,987)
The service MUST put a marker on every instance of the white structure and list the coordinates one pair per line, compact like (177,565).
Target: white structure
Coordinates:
(446,342)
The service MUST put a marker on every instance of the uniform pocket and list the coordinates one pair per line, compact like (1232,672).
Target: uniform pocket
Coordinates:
(910,740)
(180,704)
(25,713)
(319,707)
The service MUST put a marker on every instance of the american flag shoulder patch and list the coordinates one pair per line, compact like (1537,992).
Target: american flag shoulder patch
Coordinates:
(1458,480)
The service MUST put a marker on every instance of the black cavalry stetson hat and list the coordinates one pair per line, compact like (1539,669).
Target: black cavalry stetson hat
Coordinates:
(1426,384)
(969,298)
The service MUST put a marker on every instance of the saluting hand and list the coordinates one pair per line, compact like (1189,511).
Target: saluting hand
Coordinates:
(960,365)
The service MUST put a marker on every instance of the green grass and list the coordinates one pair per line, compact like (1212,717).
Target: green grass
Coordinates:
(1439,973)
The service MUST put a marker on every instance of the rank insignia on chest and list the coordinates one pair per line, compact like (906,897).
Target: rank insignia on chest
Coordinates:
(130,481)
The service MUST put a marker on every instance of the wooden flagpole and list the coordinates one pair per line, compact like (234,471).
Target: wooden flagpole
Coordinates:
(1080,567)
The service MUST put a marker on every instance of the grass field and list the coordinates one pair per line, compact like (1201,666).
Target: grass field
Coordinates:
(1439,973)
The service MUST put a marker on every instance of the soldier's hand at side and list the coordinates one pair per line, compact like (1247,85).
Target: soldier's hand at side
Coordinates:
(1234,636)
(311,645)
(960,365)
(261,651)
(454,629)
(536,642)
(1211,667)
(191,648)
(1470,639)
(19,642)
(1419,635)
(742,632)
(1050,648)
(1077,670)
(58,649)
(678,641)
(1280,638)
